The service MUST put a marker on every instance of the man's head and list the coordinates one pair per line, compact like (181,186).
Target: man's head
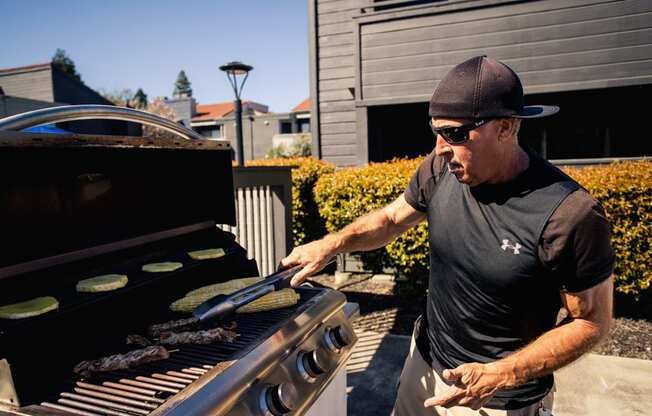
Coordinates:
(475,114)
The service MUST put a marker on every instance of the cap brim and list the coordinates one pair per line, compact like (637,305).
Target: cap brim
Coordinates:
(537,111)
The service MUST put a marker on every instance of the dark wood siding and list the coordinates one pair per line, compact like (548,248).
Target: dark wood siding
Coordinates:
(336,80)
(398,56)
(34,84)
(554,45)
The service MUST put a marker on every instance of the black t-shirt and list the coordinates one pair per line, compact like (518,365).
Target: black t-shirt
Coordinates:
(500,254)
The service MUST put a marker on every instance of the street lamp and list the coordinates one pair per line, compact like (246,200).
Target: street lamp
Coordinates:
(233,70)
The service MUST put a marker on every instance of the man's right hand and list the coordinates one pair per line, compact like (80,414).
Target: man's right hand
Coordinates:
(312,256)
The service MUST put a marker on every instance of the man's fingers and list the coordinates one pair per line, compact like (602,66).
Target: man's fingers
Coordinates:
(306,272)
(298,278)
(448,398)
(288,261)
(452,375)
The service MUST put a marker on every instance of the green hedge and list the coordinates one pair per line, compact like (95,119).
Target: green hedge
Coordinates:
(307,224)
(624,189)
(349,193)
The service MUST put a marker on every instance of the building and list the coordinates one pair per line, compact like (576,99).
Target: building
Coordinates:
(375,64)
(33,87)
(261,129)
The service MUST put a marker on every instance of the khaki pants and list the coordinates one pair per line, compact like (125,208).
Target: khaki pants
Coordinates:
(419,382)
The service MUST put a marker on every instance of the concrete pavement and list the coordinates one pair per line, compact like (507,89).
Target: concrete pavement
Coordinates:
(593,385)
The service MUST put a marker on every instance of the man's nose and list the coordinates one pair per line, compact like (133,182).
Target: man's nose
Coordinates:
(441,147)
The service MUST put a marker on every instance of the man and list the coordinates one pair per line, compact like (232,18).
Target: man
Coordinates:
(512,239)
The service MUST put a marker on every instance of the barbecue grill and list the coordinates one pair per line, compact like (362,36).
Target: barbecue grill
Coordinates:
(76,206)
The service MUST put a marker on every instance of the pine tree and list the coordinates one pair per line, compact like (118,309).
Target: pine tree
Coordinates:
(140,99)
(182,86)
(65,64)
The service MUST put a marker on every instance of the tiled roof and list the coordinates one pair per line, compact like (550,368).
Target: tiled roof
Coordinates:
(207,112)
(212,111)
(304,106)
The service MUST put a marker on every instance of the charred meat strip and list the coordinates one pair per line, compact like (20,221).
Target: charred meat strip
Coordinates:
(172,326)
(122,361)
(198,337)
(139,340)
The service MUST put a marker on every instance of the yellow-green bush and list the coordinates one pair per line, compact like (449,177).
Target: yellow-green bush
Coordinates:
(307,224)
(349,193)
(624,189)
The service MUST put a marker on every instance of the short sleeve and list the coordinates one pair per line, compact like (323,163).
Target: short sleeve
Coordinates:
(576,243)
(423,183)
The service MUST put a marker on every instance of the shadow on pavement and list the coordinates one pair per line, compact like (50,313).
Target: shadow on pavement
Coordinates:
(384,329)
(373,372)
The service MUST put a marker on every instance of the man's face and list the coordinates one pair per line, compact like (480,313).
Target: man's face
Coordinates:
(474,161)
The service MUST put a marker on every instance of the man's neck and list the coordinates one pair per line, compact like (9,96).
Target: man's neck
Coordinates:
(516,162)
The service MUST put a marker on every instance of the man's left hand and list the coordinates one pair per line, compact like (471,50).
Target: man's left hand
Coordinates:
(473,385)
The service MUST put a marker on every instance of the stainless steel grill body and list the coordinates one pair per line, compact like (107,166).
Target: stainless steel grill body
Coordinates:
(72,207)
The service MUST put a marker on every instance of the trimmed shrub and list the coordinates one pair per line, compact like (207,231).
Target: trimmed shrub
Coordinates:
(349,193)
(307,224)
(624,189)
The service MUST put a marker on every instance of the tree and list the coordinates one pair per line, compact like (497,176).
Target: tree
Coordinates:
(140,99)
(300,147)
(182,86)
(122,98)
(159,108)
(65,64)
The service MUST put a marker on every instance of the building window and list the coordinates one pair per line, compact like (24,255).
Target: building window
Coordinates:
(304,125)
(210,132)
(286,127)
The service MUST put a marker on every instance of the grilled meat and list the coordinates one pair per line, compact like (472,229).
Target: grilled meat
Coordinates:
(171,326)
(122,361)
(139,340)
(198,337)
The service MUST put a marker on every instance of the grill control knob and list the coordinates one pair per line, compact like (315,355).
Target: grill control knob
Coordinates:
(278,400)
(313,363)
(337,338)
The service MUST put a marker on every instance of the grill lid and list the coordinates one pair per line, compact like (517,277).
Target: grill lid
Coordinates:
(64,193)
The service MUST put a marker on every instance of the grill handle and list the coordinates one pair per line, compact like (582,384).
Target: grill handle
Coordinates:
(94,112)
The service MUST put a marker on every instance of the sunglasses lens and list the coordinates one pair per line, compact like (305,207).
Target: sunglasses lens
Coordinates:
(455,136)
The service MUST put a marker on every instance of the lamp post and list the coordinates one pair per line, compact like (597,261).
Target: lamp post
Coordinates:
(233,70)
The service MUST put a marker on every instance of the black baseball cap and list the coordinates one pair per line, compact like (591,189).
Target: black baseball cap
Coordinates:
(481,88)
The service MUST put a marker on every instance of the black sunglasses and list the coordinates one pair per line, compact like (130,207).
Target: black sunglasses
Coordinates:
(456,135)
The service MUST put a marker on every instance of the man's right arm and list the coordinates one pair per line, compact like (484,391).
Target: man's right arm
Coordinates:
(371,231)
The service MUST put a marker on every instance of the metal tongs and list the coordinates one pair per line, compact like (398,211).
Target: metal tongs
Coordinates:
(222,306)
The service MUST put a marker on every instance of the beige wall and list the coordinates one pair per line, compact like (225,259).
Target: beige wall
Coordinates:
(36,85)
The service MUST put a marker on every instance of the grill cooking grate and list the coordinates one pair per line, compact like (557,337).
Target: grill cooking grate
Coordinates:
(140,390)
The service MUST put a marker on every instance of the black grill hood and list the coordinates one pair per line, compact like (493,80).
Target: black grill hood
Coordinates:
(64,193)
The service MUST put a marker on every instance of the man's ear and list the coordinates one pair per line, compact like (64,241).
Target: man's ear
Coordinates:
(503,127)
(507,128)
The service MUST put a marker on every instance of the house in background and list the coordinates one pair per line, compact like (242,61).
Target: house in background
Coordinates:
(261,129)
(33,87)
(375,64)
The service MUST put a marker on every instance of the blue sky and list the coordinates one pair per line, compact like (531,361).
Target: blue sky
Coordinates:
(118,44)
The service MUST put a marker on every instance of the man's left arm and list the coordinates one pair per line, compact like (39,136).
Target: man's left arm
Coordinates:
(588,321)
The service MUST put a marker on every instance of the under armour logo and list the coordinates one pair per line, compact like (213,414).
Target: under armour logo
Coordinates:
(514,247)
